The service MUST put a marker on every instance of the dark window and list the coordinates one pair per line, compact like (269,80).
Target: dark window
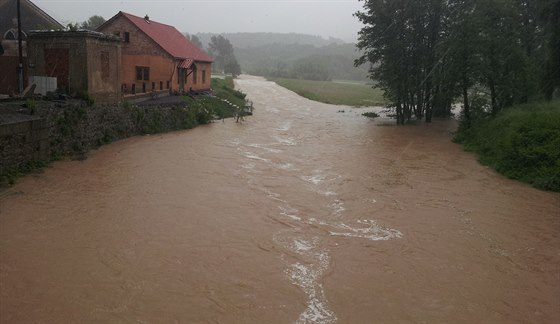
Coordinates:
(144,87)
(161,85)
(203,76)
(126,37)
(142,73)
(146,73)
(133,88)
(10,35)
(153,85)
(167,85)
(138,73)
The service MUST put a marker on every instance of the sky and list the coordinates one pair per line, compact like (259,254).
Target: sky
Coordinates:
(327,18)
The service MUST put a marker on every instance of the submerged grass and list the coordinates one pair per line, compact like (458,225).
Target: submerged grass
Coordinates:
(522,142)
(335,92)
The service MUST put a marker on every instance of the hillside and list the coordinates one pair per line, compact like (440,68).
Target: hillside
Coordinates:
(296,56)
(244,40)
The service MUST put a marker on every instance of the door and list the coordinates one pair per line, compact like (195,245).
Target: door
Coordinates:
(57,64)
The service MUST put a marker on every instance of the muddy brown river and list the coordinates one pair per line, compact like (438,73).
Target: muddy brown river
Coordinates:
(301,214)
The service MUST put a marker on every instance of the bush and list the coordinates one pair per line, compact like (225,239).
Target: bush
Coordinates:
(521,142)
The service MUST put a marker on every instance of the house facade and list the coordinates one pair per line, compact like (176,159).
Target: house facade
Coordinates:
(83,62)
(32,18)
(157,58)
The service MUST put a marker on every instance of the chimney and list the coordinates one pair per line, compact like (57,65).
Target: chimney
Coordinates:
(147,18)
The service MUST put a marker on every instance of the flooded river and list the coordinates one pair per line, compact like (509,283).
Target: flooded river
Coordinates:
(303,213)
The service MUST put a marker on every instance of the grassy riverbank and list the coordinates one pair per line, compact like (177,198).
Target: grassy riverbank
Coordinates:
(522,142)
(353,93)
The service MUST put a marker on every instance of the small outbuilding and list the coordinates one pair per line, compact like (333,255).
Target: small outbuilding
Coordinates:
(83,62)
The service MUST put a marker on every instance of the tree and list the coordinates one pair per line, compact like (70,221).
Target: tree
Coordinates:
(232,67)
(222,51)
(93,22)
(195,40)
(424,54)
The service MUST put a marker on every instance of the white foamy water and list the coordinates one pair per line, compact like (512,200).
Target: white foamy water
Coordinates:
(289,212)
(288,141)
(285,166)
(265,147)
(338,207)
(285,127)
(371,231)
(254,156)
(307,278)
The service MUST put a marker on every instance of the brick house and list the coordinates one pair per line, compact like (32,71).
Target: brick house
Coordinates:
(32,18)
(157,57)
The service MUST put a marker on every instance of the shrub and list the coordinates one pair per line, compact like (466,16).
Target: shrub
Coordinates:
(521,142)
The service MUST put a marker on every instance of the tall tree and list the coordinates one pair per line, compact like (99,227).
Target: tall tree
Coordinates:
(424,54)
(195,40)
(93,22)
(222,51)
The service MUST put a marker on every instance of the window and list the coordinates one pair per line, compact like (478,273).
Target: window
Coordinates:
(161,85)
(126,37)
(118,34)
(194,77)
(203,76)
(167,85)
(153,85)
(133,88)
(12,34)
(144,87)
(142,73)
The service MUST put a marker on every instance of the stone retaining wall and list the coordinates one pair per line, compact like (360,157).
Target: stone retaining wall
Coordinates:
(71,127)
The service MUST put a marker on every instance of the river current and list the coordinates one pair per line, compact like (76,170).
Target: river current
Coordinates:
(303,213)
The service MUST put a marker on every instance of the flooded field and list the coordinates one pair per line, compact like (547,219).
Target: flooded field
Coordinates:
(302,213)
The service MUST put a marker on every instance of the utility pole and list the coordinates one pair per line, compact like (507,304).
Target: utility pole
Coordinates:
(20,48)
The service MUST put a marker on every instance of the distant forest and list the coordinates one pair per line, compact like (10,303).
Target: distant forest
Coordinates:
(297,56)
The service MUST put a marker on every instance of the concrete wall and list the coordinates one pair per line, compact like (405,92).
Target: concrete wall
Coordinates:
(86,73)
(104,73)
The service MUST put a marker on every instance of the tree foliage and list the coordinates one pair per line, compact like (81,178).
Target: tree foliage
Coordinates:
(195,40)
(426,54)
(92,23)
(221,50)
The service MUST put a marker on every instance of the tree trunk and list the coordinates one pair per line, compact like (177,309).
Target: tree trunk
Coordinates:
(466,107)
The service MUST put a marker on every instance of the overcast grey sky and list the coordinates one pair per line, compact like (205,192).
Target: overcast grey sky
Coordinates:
(315,17)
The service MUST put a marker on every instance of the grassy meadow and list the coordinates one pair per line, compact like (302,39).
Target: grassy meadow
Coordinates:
(351,93)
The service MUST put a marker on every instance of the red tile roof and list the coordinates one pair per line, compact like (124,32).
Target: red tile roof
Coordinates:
(168,37)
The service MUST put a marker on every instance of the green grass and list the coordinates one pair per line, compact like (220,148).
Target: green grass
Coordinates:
(521,142)
(357,94)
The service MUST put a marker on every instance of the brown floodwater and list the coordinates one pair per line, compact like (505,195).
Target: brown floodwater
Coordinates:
(302,213)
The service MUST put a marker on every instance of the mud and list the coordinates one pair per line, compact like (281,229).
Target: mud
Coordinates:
(300,214)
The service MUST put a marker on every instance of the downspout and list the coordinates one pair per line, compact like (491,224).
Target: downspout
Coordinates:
(20,49)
